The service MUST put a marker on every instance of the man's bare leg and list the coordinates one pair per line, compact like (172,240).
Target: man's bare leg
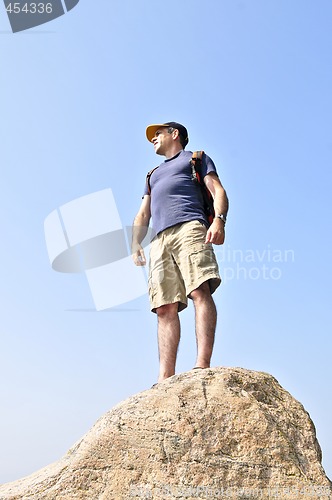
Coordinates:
(206,321)
(168,339)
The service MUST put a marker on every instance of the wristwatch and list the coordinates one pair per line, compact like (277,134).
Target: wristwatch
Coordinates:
(222,217)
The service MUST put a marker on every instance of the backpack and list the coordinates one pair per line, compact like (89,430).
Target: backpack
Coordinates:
(196,176)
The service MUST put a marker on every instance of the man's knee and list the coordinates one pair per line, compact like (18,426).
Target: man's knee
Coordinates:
(203,292)
(167,311)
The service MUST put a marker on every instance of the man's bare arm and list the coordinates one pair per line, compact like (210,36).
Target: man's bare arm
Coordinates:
(216,232)
(140,228)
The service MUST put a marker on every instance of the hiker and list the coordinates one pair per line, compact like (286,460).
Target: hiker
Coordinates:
(182,260)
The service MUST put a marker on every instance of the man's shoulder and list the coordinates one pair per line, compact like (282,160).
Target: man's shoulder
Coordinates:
(187,153)
(190,153)
(184,154)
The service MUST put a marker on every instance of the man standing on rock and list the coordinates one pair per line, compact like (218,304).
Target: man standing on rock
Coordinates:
(182,260)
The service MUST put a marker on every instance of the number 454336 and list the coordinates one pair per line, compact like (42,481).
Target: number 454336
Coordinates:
(29,8)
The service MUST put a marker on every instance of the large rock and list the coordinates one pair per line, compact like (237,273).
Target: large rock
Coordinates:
(214,433)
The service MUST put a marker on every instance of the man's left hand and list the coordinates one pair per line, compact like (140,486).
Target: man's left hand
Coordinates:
(216,232)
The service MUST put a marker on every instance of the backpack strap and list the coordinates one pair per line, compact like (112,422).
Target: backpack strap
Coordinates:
(196,175)
(148,176)
(196,161)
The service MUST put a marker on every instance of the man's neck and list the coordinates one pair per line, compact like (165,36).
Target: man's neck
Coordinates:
(172,152)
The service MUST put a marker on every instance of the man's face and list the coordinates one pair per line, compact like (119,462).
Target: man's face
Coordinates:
(162,140)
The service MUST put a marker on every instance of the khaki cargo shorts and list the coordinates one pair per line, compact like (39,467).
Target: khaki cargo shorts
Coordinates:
(180,262)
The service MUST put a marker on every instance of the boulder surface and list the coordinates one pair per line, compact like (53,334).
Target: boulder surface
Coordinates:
(213,433)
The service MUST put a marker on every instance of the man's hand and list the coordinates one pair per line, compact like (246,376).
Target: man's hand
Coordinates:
(216,232)
(138,255)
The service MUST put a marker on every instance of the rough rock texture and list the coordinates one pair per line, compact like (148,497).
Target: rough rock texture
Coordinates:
(214,433)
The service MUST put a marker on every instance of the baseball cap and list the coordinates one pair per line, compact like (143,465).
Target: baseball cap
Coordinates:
(152,129)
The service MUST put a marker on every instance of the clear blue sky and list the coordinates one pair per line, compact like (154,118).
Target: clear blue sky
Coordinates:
(252,82)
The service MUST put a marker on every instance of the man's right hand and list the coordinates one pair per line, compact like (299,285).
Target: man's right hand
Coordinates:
(138,255)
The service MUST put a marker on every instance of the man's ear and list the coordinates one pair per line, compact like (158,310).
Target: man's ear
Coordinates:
(175,134)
